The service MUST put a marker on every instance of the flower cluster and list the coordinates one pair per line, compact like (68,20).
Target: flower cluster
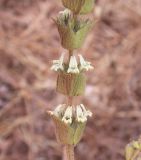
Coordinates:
(133,150)
(73,67)
(136,144)
(69,114)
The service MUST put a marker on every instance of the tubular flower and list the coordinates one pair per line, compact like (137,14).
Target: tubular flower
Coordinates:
(86,112)
(82,113)
(84,65)
(73,68)
(58,64)
(59,110)
(67,118)
(65,13)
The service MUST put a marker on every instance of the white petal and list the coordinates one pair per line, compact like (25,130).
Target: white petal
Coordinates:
(73,68)
(50,112)
(70,70)
(65,12)
(74,61)
(67,118)
(62,58)
(59,110)
(80,115)
(82,61)
(84,65)
(86,112)
(58,64)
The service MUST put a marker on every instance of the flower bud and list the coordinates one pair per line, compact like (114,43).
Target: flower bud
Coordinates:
(72,32)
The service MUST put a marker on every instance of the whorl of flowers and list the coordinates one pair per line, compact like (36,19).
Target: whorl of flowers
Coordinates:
(74,66)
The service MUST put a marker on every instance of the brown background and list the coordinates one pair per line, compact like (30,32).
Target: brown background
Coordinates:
(29,41)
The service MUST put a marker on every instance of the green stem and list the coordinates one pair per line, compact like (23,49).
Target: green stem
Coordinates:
(70,54)
(68,152)
(75,17)
(70,100)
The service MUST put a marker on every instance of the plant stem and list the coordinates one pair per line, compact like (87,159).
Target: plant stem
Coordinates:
(70,54)
(68,152)
(75,17)
(70,100)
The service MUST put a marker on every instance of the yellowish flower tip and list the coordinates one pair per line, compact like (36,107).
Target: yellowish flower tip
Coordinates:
(58,64)
(136,145)
(50,112)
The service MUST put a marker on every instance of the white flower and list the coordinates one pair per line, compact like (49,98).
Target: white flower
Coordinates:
(84,65)
(59,110)
(58,64)
(86,112)
(80,115)
(67,118)
(73,65)
(65,12)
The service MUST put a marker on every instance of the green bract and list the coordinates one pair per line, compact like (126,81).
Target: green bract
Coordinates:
(71,84)
(79,6)
(67,133)
(72,32)
(87,7)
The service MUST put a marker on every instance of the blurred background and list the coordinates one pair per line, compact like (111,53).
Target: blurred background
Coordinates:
(29,41)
